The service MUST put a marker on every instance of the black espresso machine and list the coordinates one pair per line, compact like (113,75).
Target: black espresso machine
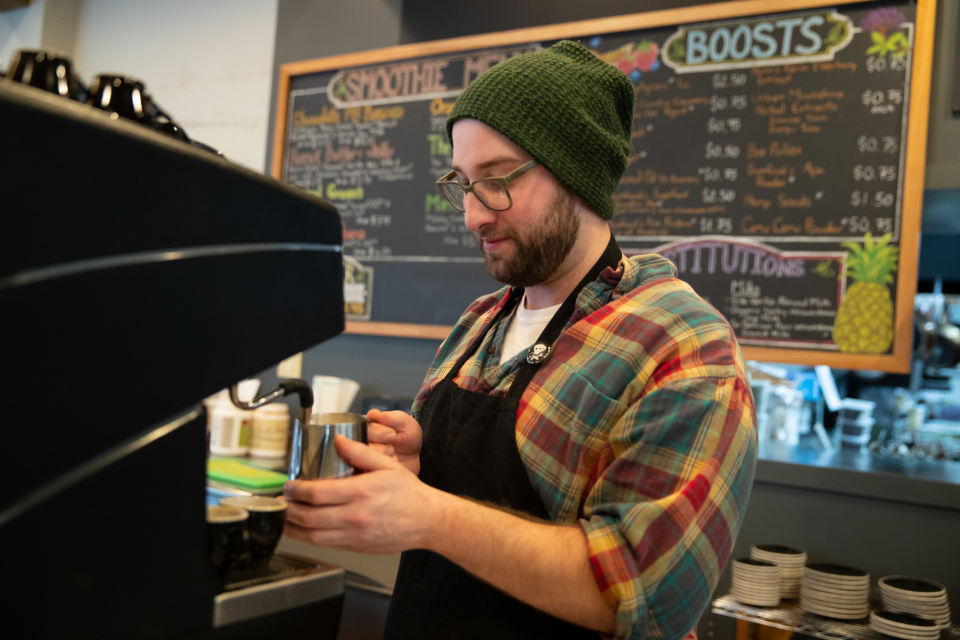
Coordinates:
(139,275)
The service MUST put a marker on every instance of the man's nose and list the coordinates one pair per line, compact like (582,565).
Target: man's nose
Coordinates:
(476,214)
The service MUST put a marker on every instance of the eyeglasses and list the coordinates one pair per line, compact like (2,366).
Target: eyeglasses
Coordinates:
(492,192)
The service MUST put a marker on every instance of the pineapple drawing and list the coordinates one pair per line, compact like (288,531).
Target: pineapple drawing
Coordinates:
(864,321)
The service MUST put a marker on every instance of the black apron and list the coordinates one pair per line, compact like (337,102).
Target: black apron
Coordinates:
(470,449)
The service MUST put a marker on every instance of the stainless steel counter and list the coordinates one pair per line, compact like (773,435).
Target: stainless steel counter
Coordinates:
(931,484)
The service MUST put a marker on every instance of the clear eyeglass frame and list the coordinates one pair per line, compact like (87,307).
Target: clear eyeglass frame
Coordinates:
(456,193)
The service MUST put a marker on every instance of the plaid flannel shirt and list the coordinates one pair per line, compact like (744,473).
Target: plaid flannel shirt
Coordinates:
(640,427)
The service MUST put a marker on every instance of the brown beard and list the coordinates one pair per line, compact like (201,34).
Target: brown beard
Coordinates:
(539,256)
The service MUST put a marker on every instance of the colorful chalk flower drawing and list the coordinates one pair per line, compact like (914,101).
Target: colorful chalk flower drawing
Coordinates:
(634,59)
(884,25)
(864,321)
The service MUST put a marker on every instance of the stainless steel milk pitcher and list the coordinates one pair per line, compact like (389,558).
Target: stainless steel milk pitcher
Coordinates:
(312,451)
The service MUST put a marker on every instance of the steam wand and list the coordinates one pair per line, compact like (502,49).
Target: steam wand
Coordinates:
(299,387)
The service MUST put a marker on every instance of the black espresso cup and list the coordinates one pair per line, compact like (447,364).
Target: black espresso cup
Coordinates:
(265,526)
(46,70)
(122,95)
(128,98)
(227,536)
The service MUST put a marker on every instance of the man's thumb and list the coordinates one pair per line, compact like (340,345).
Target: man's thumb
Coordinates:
(361,456)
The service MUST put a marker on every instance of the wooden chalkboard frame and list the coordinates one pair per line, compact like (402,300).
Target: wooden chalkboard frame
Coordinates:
(914,168)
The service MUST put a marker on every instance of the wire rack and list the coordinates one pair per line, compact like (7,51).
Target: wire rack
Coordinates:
(791,617)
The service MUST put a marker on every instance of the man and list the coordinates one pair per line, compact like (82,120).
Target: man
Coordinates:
(585,438)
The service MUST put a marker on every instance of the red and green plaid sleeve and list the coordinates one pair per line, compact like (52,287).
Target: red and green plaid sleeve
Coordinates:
(662,517)
(640,428)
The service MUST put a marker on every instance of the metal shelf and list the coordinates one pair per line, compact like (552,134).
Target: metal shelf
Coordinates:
(791,617)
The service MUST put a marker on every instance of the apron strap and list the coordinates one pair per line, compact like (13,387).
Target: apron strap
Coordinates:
(538,353)
(610,258)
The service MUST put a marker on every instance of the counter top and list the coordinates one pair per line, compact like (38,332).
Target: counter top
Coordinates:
(932,484)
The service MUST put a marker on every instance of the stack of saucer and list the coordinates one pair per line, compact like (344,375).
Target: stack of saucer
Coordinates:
(855,422)
(903,625)
(756,582)
(915,596)
(835,591)
(790,561)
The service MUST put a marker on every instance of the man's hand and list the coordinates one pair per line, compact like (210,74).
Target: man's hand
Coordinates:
(388,509)
(395,433)
(381,511)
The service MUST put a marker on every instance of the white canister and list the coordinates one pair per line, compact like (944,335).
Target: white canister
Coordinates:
(229,430)
(271,426)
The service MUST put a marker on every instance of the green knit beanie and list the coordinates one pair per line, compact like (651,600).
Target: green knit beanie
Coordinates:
(567,108)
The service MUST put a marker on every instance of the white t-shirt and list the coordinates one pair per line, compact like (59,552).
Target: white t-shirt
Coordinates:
(525,327)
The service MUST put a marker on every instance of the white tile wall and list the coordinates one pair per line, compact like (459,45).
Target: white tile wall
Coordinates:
(20,29)
(208,63)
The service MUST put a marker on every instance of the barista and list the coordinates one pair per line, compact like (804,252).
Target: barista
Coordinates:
(581,451)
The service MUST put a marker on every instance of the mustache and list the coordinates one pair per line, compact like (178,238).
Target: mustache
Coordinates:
(486,233)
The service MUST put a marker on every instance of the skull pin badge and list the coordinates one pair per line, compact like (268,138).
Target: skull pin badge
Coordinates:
(538,353)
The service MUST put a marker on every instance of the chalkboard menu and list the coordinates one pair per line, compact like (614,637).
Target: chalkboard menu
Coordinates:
(778,163)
